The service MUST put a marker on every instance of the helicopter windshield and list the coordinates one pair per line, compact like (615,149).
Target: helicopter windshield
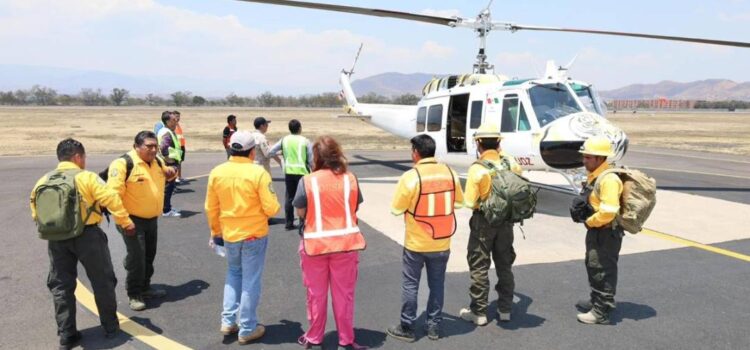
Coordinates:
(588,98)
(552,101)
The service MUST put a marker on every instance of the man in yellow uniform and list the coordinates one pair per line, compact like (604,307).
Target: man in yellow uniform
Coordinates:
(488,243)
(239,200)
(427,196)
(603,239)
(139,178)
(90,247)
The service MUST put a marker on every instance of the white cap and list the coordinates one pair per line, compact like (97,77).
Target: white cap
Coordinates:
(242,140)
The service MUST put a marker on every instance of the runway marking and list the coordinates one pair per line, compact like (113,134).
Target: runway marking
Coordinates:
(196,177)
(147,336)
(695,244)
(690,156)
(694,172)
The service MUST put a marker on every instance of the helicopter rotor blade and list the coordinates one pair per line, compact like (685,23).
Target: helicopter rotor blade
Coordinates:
(447,21)
(515,27)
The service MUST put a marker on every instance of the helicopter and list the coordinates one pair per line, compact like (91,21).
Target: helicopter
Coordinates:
(544,121)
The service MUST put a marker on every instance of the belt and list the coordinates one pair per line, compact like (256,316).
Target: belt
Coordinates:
(91,225)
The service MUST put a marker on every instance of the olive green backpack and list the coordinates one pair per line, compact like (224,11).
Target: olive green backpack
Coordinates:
(511,198)
(638,197)
(58,207)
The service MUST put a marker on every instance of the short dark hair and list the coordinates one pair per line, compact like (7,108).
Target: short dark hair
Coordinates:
(68,148)
(142,136)
(294,126)
(424,145)
(176,112)
(489,143)
(235,153)
(165,116)
(230,118)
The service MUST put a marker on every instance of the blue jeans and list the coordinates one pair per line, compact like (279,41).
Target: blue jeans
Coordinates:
(168,191)
(245,261)
(435,264)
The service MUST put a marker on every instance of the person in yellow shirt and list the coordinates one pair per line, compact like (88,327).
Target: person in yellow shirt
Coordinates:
(488,243)
(142,193)
(239,200)
(91,248)
(427,196)
(603,239)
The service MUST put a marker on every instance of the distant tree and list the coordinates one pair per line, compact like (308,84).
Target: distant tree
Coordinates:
(67,100)
(154,100)
(42,96)
(91,97)
(198,101)
(22,96)
(234,100)
(118,96)
(181,98)
(406,99)
(373,98)
(7,98)
(266,99)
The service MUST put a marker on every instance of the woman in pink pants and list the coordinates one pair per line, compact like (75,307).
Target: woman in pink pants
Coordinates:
(328,199)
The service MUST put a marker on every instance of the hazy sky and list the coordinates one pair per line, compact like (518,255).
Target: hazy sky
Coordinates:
(305,49)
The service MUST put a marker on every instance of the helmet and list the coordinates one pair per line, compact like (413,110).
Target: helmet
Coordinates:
(597,146)
(487,131)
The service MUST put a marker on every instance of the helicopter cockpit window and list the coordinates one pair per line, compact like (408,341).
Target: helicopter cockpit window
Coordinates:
(586,96)
(552,101)
(510,113)
(523,120)
(476,114)
(435,118)
(421,118)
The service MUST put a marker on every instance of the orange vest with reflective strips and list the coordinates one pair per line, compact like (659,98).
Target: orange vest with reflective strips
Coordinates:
(331,219)
(437,193)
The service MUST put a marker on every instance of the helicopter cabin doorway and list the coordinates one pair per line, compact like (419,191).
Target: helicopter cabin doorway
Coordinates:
(456,123)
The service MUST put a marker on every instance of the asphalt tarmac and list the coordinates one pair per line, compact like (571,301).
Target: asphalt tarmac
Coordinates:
(683,298)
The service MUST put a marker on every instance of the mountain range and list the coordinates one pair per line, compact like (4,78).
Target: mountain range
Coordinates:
(71,81)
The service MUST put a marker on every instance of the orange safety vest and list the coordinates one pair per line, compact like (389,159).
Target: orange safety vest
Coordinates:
(437,193)
(331,219)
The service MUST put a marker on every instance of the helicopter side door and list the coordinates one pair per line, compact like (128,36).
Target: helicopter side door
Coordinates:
(516,128)
(455,129)
(434,121)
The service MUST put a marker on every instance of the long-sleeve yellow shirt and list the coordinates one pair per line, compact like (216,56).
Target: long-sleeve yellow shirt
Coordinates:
(239,200)
(479,179)
(143,192)
(92,189)
(606,198)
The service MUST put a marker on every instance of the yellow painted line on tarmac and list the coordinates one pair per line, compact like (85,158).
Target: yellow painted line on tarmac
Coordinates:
(692,156)
(147,336)
(196,177)
(694,172)
(694,244)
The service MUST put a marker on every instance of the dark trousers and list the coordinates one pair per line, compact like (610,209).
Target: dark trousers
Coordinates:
(292,181)
(168,191)
(139,261)
(435,264)
(92,249)
(602,252)
(496,243)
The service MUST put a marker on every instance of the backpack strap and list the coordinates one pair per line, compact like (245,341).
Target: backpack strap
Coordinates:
(128,165)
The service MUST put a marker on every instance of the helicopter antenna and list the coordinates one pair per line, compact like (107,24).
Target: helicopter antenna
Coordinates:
(356,58)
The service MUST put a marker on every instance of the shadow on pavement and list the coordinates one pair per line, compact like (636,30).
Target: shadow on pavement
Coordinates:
(177,293)
(367,337)
(631,311)
(520,318)
(93,339)
(184,214)
(284,332)
(146,322)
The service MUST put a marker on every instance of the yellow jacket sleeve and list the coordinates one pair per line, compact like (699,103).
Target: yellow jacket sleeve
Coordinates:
(610,189)
(402,198)
(106,197)
(473,181)
(116,177)
(212,208)
(268,200)
(31,199)
(459,200)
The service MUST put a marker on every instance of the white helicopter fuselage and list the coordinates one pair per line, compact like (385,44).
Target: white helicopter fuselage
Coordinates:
(543,121)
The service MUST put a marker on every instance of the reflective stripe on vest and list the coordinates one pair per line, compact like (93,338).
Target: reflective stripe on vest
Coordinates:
(330,222)
(437,192)
(174,152)
(294,148)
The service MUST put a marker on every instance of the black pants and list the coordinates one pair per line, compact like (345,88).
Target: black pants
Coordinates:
(168,191)
(602,252)
(92,249)
(139,261)
(487,244)
(292,181)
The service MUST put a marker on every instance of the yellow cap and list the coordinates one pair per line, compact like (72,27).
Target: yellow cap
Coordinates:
(597,146)
(487,131)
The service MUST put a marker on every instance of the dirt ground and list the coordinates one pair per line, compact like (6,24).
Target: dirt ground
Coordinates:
(37,130)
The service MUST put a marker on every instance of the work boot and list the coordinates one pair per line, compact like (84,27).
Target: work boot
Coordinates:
(306,344)
(584,305)
(290,227)
(468,315)
(401,333)
(592,318)
(503,316)
(111,332)
(153,293)
(137,304)
(229,330)
(256,334)
(70,341)
(433,332)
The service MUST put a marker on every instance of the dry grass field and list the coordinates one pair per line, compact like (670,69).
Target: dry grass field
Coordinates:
(31,131)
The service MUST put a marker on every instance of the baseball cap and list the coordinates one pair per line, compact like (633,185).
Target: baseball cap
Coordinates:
(260,121)
(242,140)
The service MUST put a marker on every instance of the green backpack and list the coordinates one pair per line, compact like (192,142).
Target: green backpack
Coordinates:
(511,198)
(638,197)
(58,207)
